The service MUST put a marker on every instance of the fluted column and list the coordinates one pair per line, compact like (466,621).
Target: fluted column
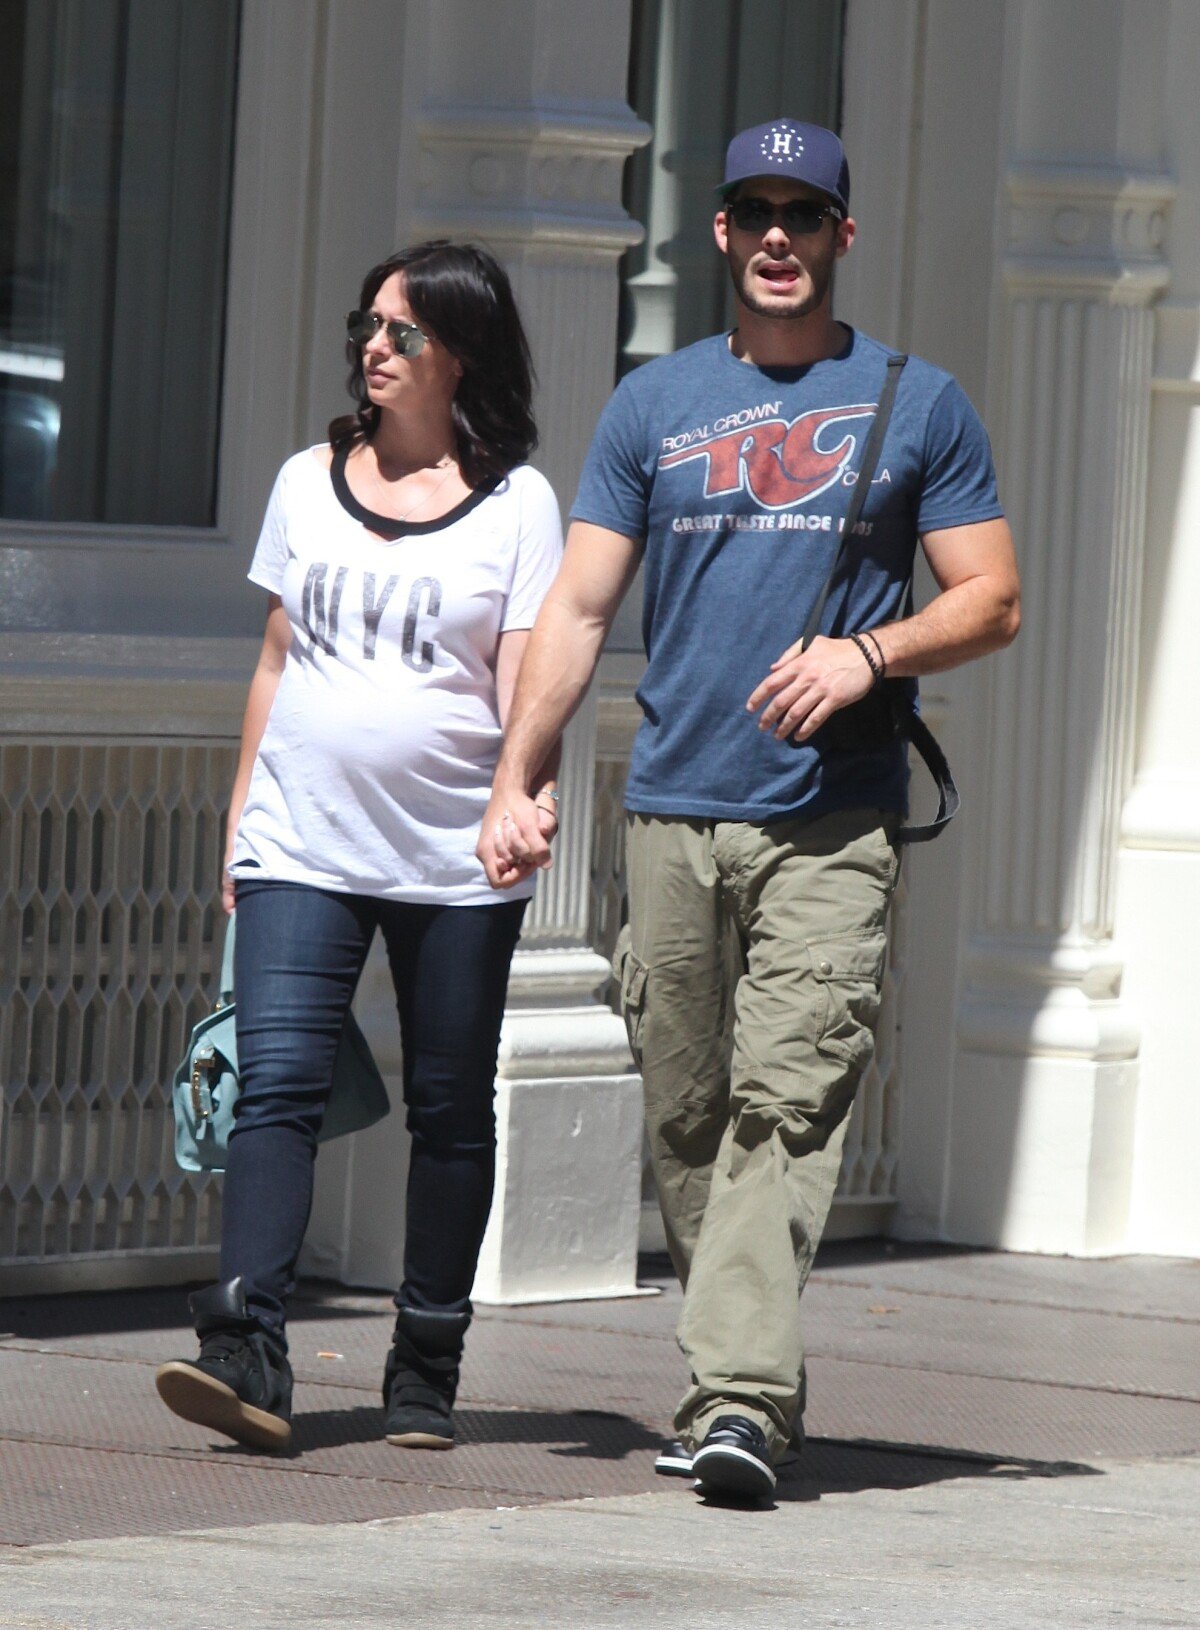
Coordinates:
(521,136)
(1046,1074)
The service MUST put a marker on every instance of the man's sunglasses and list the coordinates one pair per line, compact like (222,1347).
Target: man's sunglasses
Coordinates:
(800,216)
(407,339)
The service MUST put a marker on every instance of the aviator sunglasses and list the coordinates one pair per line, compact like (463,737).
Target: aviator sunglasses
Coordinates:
(407,339)
(801,217)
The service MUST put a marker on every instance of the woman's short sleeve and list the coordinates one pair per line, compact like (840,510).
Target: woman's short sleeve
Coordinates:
(271,551)
(539,550)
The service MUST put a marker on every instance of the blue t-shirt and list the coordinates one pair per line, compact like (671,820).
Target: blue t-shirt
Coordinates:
(738,479)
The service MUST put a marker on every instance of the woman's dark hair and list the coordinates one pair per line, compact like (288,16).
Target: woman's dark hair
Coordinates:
(463,296)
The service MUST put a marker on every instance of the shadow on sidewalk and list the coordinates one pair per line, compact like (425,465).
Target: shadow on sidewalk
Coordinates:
(112,1312)
(837,1466)
(572,1434)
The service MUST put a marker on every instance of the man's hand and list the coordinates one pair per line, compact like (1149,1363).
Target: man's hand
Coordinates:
(804,687)
(514,840)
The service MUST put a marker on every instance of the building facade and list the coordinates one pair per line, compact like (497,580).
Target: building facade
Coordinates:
(189,196)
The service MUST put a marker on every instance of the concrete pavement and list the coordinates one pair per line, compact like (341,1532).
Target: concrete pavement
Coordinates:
(997,1441)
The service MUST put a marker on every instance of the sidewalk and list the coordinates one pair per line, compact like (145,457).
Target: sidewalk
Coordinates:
(994,1440)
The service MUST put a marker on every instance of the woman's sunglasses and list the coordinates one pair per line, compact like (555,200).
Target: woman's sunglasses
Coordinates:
(800,216)
(407,339)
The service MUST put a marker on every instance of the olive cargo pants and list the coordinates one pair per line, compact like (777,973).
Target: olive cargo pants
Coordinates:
(750,980)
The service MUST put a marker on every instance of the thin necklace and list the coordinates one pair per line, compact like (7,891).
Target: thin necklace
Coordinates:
(382,486)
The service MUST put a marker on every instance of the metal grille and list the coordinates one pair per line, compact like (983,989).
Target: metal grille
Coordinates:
(109,856)
(869,1157)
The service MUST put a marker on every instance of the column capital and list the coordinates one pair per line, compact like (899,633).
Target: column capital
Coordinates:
(1091,229)
(532,173)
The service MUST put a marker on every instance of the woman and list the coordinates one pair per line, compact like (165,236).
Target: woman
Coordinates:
(404,563)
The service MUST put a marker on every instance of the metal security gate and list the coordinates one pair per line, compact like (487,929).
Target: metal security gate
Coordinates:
(109,858)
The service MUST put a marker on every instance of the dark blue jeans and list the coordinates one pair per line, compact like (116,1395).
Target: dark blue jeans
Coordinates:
(299,954)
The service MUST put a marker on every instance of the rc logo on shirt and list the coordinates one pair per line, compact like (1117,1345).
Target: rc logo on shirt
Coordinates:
(780,462)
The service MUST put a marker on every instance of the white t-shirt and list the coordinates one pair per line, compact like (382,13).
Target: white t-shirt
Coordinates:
(376,764)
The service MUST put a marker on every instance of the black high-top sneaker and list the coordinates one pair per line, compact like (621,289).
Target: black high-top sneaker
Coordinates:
(421,1378)
(241,1384)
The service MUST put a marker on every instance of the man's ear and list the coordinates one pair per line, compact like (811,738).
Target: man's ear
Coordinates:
(845,235)
(721,231)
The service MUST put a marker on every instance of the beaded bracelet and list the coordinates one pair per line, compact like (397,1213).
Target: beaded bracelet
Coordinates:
(868,658)
(874,639)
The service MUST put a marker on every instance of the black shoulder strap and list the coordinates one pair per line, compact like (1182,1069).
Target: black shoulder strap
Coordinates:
(930,749)
(911,723)
(866,474)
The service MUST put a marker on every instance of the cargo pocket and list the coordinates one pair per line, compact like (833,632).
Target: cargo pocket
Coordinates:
(849,972)
(630,972)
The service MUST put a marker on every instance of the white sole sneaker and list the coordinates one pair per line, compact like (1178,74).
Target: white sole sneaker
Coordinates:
(723,1468)
(674,1461)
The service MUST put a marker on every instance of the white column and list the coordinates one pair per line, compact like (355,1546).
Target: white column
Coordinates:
(516,137)
(1046,1073)
(1158,901)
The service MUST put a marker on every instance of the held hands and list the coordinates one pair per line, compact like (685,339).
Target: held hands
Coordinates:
(804,687)
(514,840)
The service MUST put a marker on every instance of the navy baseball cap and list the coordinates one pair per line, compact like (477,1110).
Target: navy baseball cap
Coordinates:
(786,147)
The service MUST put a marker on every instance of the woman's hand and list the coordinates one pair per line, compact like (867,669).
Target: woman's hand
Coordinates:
(514,840)
(227,895)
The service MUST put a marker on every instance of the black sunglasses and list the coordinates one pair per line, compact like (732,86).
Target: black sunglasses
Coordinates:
(407,339)
(801,217)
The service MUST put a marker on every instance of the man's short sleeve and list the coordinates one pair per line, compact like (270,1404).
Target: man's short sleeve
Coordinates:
(614,489)
(271,551)
(959,486)
(539,551)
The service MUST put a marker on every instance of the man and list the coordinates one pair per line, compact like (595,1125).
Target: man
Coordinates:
(761,856)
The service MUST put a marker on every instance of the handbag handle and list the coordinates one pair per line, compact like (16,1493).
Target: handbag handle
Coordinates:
(225,993)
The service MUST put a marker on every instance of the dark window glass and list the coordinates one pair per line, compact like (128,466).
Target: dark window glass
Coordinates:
(116,141)
(698,73)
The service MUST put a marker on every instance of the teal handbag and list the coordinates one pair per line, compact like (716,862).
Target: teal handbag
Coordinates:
(206,1084)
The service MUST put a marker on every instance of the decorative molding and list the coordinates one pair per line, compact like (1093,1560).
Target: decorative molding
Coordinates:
(556,977)
(80,535)
(1087,229)
(1046,998)
(539,174)
(562,1043)
(92,686)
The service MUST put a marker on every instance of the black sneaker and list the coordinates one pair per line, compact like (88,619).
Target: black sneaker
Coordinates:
(241,1385)
(420,1379)
(734,1459)
(674,1461)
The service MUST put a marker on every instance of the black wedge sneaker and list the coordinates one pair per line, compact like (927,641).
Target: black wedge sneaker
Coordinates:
(420,1379)
(241,1384)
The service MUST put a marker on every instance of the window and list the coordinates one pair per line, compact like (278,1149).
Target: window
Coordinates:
(116,140)
(701,70)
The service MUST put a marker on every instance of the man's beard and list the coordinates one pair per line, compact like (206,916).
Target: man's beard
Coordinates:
(820,275)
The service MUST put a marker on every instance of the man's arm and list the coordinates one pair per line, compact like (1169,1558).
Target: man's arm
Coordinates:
(560,658)
(978,610)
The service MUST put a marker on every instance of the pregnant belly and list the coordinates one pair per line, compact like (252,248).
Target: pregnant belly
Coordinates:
(426,738)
